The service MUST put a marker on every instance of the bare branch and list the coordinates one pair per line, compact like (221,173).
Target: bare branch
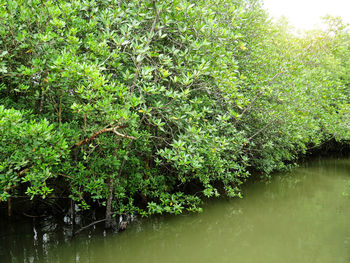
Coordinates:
(104,130)
(261,130)
(90,225)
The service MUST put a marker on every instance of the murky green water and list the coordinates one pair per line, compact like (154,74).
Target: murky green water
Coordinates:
(299,217)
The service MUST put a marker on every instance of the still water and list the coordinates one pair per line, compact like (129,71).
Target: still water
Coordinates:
(302,216)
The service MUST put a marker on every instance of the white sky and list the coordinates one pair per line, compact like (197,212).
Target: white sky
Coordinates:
(305,14)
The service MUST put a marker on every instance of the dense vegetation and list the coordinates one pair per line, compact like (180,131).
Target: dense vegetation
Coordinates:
(148,106)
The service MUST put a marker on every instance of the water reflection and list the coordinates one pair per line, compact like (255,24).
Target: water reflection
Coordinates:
(299,217)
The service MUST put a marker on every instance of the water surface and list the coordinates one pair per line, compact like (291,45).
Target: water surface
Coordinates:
(299,217)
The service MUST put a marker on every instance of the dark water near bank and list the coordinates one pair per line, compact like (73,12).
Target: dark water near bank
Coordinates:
(298,217)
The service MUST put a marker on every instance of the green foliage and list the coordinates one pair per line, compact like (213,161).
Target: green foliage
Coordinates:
(158,104)
(32,146)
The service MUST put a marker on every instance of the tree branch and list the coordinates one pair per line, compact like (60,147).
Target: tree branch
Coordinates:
(150,36)
(104,130)
(261,130)
(90,225)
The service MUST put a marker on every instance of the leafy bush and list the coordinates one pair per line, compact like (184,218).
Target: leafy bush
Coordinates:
(31,153)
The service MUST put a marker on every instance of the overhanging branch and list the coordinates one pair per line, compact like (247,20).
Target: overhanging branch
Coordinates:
(104,130)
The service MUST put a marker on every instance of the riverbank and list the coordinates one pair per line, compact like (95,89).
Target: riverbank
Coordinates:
(301,216)
(59,210)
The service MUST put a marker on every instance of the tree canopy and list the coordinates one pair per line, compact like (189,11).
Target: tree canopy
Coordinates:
(148,106)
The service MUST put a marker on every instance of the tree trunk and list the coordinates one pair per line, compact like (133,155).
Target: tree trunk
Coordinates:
(72,206)
(109,212)
(9,207)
